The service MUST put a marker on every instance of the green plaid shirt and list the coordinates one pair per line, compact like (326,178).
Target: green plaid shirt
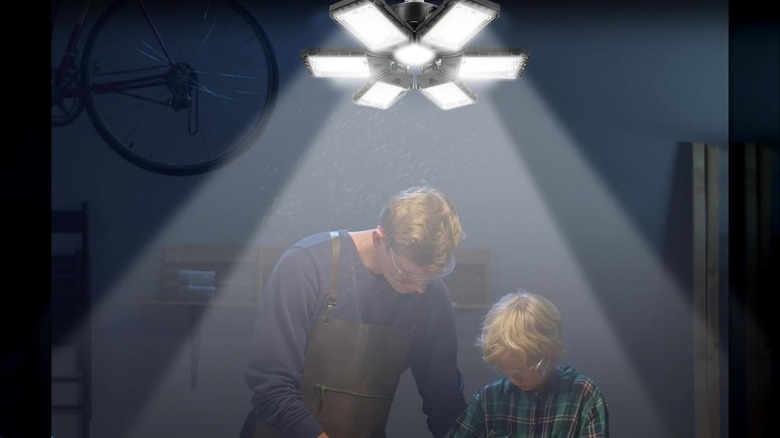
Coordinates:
(568,405)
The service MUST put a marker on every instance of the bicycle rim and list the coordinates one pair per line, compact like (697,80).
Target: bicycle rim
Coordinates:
(214,89)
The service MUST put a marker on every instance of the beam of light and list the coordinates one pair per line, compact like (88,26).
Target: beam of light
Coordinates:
(529,249)
(503,207)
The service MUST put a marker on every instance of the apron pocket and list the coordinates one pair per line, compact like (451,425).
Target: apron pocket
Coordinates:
(350,414)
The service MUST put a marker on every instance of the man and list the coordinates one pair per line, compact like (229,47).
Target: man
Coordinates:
(522,340)
(345,313)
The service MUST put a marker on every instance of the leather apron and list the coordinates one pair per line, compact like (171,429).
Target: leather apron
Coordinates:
(351,371)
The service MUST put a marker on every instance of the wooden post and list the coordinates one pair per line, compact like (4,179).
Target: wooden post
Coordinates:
(706,289)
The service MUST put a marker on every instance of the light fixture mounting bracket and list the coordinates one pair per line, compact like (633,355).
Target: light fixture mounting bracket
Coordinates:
(413,12)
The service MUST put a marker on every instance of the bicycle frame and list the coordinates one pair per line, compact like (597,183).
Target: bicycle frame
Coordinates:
(69,56)
(68,61)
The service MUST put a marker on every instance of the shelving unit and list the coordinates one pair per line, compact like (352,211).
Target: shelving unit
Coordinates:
(469,284)
(241,272)
(71,339)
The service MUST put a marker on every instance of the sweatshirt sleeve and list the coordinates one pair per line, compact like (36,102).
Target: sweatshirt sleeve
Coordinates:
(274,366)
(434,363)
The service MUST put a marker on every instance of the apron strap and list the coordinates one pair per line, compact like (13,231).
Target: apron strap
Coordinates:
(330,300)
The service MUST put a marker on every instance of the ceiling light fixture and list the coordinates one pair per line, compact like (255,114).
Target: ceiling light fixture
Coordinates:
(415,45)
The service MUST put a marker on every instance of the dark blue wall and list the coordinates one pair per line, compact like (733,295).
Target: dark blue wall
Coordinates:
(627,83)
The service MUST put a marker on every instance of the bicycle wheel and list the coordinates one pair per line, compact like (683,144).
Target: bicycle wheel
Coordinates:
(179,87)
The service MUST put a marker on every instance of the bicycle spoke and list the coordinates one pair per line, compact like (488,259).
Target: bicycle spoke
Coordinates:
(150,56)
(203,43)
(156,32)
(220,97)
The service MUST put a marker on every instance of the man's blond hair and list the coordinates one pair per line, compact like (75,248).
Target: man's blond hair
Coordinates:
(421,223)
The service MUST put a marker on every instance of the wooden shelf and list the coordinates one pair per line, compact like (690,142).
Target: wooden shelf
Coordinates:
(469,283)
(240,272)
(470,306)
(232,304)
(195,303)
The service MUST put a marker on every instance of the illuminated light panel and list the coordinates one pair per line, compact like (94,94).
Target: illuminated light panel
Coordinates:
(499,67)
(414,55)
(446,93)
(458,24)
(337,65)
(374,28)
(385,91)
(488,64)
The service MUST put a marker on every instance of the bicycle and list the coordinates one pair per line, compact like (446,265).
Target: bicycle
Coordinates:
(175,87)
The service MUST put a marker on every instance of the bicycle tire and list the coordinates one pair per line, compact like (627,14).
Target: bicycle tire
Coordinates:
(217,92)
